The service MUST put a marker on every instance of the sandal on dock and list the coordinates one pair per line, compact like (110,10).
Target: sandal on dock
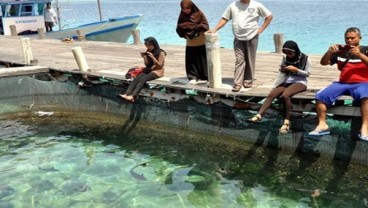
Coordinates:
(256,118)
(284,128)
(247,84)
(237,88)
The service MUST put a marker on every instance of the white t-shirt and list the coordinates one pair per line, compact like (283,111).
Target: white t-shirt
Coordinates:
(50,15)
(245,18)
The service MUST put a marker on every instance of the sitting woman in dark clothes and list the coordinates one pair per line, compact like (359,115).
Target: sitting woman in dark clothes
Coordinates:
(154,60)
(295,68)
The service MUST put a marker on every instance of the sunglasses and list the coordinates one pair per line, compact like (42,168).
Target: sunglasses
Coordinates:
(288,52)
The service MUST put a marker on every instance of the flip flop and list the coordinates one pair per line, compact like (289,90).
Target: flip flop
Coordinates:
(319,132)
(363,137)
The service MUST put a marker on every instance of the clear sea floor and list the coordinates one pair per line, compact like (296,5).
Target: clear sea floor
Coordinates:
(89,159)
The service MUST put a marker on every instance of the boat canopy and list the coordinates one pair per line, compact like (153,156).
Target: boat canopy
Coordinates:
(11,8)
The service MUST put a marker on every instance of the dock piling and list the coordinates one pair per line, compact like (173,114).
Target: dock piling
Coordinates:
(27,51)
(81,59)
(41,33)
(136,36)
(80,35)
(213,60)
(278,41)
(13,30)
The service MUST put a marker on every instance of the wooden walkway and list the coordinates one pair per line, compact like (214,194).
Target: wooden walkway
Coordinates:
(112,60)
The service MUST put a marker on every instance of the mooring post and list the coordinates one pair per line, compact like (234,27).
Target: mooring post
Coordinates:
(41,33)
(278,41)
(13,30)
(27,50)
(136,36)
(80,58)
(213,60)
(80,35)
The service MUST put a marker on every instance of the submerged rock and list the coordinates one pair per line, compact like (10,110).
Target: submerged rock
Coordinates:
(6,204)
(42,185)
(70,187)
(6,191)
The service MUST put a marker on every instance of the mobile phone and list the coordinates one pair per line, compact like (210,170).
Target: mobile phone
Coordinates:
(344,47)
(144,53)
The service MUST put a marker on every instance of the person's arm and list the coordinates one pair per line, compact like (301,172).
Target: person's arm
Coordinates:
(158,64)
(266,22)
(306,71)
(53,14)
(326,58)
(300,72)
(356,52)
(219,25)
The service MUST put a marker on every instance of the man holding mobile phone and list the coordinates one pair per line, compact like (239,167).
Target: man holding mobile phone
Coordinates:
(352,61)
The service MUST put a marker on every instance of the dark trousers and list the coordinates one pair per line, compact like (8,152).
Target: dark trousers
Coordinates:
(49,26)
(196,62)
(138,83)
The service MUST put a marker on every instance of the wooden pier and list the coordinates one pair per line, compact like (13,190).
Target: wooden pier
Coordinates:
(112,60)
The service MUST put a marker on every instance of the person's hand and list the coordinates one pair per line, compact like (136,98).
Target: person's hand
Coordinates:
(334,48)
(211,31)
(291,69)
(282,68)
(355,50)
(149,54)
(184,24)
(143,54)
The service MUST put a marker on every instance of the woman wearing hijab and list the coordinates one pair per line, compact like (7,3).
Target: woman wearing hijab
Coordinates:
(154,59)
(295,68)
(192,24)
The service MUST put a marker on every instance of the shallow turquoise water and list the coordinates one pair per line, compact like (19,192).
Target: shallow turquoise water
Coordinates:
(94,160)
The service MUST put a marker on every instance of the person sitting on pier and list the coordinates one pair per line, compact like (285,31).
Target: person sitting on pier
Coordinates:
(294,70)
(192,24)
(352,62)
(154,59)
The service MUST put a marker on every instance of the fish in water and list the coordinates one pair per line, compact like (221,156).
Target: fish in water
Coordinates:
(136,175)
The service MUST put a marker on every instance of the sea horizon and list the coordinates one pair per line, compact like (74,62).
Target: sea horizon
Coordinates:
(314,25)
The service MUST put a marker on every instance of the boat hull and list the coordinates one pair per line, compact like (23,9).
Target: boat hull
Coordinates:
(112,30)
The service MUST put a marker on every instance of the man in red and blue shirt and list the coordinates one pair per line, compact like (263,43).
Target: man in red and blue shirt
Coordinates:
(352,61)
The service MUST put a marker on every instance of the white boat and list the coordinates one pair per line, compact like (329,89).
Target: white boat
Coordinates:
(27,16)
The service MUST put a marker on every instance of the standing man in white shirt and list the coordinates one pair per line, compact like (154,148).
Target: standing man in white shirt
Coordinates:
(245,15)
(50,17)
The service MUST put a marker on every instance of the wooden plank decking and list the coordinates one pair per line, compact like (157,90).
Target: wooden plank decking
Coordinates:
(112,60)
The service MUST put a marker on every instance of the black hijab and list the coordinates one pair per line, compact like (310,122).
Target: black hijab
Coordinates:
(156,50)
(299,60)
